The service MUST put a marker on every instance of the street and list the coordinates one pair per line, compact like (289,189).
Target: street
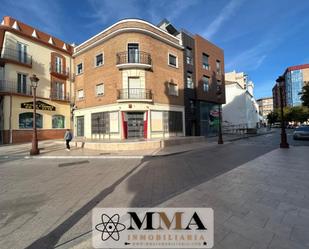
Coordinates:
(47,203)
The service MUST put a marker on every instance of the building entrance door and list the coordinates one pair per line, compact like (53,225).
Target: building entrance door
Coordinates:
(135,124)
(80,126)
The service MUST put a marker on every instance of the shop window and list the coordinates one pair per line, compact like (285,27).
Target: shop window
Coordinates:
(26,120)
(58,121)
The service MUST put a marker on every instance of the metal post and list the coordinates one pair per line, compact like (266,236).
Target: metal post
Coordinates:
(284,144)
(220,139)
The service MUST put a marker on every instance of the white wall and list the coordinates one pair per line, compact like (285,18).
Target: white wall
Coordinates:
(240,107)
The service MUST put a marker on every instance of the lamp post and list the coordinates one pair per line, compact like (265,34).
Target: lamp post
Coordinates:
(283,143)
(219,93)
(34,84)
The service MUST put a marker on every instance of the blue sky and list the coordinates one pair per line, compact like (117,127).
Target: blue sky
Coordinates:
(260,37)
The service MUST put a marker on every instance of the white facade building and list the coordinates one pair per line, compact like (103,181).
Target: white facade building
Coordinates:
(241,109)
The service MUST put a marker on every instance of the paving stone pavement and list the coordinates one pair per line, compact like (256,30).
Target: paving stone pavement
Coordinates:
(261,204)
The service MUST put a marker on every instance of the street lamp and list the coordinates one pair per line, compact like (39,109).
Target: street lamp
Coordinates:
(34,84)
(283,143)
(219,93)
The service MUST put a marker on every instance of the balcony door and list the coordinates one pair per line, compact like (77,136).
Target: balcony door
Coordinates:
(135,88)
(58,90)
(21,83)
(58,65)
(133,53)
(22,52)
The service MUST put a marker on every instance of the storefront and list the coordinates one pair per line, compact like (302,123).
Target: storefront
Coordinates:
(52,119)
(121,122)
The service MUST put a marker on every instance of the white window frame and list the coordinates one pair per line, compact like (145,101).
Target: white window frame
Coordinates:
(192,82)
(82,68)
(78,91)
(172,92)
(95,59)
(96,90)
(204,76)
(205,66)
(168,60)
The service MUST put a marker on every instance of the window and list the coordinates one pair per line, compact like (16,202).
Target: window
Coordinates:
(58,65)
(99,60)
(189,56)
(172,121)
(79,68)
(172,60)
(218,67)
(99,89)
(205,80)
(58,121)
(26,120)
(189,80)
(205,61)
(172,89)
(219,82)
(100,123)
(192,105)
(21,83)
(80,94)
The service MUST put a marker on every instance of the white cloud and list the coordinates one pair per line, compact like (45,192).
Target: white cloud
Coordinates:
(46,15)
(225,14)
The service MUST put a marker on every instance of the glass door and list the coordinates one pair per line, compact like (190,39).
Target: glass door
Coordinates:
(22,52)
(135,124)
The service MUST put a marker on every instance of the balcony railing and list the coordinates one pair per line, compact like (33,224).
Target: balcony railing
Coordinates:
(58,95)
(58,71)
(16,55)
(134,94)
(138,57)
(7,86)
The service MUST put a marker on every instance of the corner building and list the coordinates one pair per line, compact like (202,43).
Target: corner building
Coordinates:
(129,83)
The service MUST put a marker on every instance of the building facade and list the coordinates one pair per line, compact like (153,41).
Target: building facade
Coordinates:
(265,107)
(295,78)
(129,83)
(24,51)
(203,81)
(241,108)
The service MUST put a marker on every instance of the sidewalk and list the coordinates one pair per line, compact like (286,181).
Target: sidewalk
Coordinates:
(262,204)
(56,149)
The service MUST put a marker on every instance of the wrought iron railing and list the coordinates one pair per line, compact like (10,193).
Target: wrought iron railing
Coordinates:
(60,71)
(59,95)
(15,87)
(16,55)
(139,57)
(134,93)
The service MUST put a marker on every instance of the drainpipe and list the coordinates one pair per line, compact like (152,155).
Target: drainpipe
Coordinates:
(10,122)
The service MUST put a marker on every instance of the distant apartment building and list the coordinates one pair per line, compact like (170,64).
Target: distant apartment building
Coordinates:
(295,78)
(241,108)
(265,107)
(25,50)
(138,80)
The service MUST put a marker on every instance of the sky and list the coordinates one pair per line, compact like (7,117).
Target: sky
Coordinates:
(261,38)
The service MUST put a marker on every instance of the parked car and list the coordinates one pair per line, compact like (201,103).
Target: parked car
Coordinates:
(301,132)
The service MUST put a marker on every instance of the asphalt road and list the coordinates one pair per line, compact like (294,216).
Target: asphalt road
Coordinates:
(47,203)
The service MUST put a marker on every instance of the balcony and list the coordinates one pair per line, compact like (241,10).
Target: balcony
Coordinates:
(58,72)
(135,95)
(137,59)
(15,56)
(59,96)
(10,87)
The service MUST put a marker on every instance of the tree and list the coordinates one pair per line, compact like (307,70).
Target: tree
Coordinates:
(305,94)
(296,113)
(272,117)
